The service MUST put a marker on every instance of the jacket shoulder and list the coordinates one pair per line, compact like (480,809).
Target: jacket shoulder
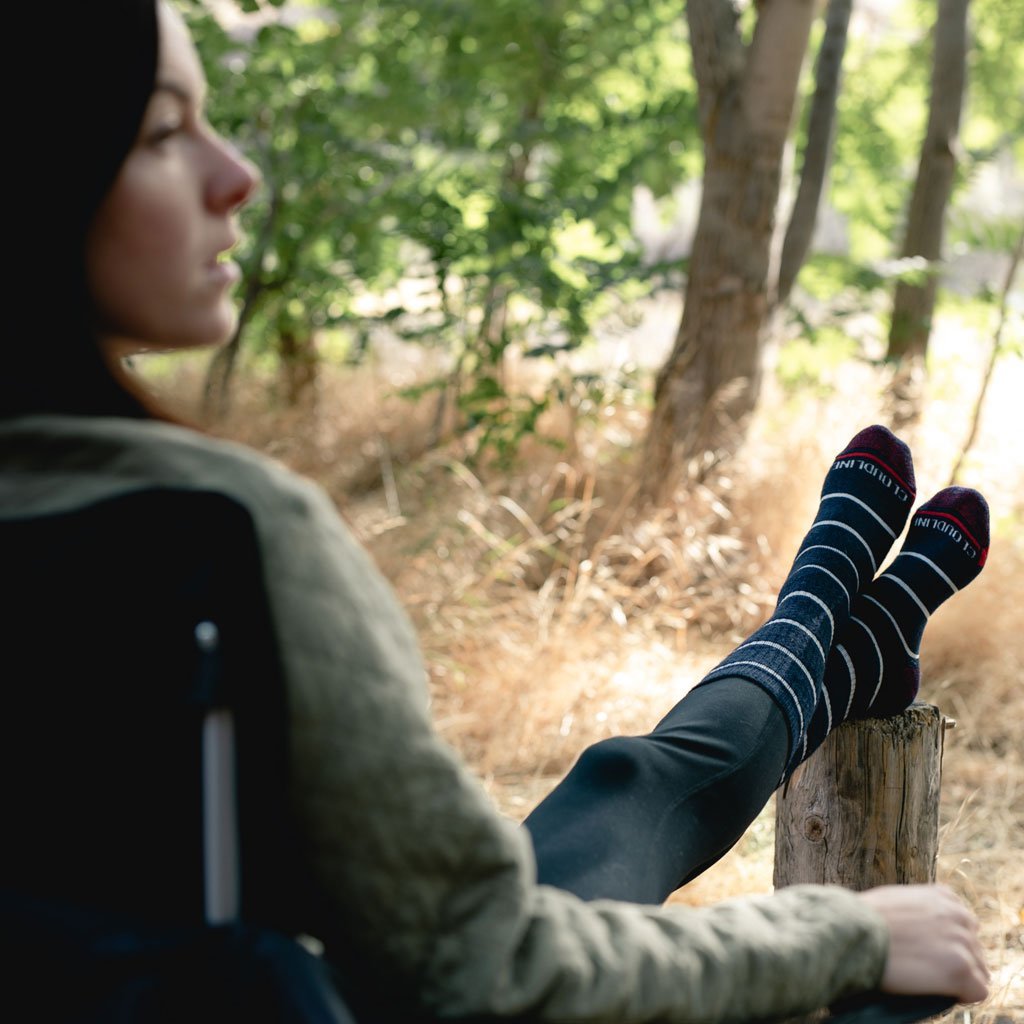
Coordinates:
(56,463)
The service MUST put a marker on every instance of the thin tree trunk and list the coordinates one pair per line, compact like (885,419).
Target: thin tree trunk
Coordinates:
(711,379)
(298,366)
(818,150)
(914,304)
(997,341)
(491,339)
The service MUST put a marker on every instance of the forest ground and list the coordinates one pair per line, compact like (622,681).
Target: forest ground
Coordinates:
(552,613)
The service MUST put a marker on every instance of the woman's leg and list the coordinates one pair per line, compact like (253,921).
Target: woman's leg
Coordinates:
(638,816)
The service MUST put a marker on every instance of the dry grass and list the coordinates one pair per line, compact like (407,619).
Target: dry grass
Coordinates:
(553,614)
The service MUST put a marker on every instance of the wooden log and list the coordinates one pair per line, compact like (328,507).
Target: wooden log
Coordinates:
(864,809)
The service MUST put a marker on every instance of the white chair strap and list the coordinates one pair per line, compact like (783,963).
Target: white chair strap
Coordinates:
(220,812)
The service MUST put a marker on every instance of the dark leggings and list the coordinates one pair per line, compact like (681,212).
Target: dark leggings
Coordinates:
(638,816)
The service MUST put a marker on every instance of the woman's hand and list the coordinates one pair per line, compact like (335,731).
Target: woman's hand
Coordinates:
(933,942)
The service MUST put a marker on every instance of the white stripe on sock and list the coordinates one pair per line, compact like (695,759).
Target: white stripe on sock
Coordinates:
(878,651)
(800,625)
(816,600)
(828,547)
(895,625)
(853,679)
(828,709)
(917,600)
(913,554)
(814,565)
(867,508)
(846,526)
(785,650)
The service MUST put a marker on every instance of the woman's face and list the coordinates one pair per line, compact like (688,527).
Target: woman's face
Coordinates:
(154,250)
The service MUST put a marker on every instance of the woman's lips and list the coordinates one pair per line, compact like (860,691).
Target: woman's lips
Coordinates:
(223,271)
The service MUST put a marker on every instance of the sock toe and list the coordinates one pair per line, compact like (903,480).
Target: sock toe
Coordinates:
(966,508)
(887,448)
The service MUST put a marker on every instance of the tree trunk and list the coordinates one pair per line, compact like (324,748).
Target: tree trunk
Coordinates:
(914,304)
(298,366)
(711,379)
(818,150)
(864,810)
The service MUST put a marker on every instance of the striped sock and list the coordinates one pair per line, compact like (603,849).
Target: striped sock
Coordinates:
(873,668)
(865,500)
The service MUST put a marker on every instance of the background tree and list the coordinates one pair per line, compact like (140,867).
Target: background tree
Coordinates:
(818,147)
(914,301)
(746,92)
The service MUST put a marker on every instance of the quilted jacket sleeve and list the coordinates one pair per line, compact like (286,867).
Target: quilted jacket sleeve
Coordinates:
(432,893)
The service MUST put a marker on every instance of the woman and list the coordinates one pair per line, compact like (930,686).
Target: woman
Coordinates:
(121,531)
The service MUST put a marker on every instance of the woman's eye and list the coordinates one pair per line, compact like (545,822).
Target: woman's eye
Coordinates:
(164,131)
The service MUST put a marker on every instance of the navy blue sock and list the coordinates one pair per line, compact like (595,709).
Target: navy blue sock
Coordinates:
(865,501)
(873,668)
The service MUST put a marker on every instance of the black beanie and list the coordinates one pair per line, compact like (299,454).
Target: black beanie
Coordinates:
(80,112)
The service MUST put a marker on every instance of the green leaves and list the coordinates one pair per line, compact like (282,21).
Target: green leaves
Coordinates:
(489,150)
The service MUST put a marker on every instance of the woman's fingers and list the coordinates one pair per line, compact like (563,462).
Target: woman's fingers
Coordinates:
(933,942)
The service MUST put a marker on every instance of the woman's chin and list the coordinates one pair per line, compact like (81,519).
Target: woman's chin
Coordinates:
(214,333)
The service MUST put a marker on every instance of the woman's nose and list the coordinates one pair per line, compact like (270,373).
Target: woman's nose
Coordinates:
(234,178)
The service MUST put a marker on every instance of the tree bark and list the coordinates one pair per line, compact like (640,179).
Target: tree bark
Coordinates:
(914,304)
(711,379)
(818,150)
(298,366)
(864,810)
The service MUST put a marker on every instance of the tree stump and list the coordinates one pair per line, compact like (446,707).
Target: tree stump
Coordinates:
(864,809)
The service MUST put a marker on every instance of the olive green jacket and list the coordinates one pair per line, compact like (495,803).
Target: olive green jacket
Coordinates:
(438,887)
